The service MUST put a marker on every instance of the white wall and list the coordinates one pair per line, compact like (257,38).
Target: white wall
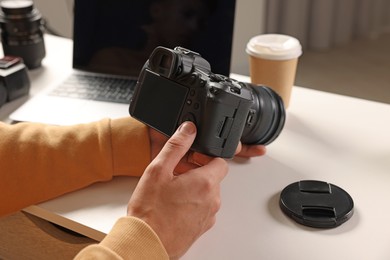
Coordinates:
(249,21)
(58,15)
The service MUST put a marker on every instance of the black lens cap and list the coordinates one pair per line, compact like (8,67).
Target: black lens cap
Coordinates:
(316,204)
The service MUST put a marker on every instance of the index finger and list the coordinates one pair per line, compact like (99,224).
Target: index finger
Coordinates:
(176,146)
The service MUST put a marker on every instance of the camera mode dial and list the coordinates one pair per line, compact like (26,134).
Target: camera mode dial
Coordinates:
(217,77)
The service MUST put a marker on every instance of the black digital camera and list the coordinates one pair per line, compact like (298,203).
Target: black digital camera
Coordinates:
(177,85)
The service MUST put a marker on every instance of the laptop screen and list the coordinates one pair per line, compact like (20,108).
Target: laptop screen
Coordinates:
(117,36)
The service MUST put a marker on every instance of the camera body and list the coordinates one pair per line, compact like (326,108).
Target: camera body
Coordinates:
(14,80)
(177,85)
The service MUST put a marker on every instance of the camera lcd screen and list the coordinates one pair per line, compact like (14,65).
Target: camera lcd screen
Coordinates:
(159,103)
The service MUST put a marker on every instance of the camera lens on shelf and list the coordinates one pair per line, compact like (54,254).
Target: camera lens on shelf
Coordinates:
(22,31)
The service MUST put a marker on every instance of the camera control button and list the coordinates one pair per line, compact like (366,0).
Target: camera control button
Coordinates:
(242,85)
(189,102)
(213,90)
(188,117)
(235,90)
(217,77)
(193,79)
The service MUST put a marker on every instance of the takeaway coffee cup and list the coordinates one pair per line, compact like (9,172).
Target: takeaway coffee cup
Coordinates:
(273,62)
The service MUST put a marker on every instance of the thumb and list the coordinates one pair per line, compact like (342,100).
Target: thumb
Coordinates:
(177,146)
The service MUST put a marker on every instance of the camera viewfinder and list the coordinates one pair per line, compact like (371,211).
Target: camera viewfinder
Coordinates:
(162,61)
(165,62)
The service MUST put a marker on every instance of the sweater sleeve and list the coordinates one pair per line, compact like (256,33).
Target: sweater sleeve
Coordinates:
(39,162)
(130,238)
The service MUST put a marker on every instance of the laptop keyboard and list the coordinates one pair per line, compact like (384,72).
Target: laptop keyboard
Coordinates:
(117,90)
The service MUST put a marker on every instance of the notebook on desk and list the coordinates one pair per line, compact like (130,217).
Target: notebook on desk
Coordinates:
(112,41)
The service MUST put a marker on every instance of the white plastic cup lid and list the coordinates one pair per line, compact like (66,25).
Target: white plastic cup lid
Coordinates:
(274,47)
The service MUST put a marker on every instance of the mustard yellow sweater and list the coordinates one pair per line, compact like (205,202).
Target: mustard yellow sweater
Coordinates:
(39,162)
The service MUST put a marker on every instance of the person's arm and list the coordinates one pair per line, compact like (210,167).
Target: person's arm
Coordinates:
(130,238)
(39,162)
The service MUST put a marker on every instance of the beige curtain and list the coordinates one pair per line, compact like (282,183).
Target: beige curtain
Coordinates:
(321,24)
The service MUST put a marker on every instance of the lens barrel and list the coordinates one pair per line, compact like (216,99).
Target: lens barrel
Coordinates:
(267,118)
(22,31)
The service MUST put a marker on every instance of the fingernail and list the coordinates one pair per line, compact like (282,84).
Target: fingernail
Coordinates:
(187,128)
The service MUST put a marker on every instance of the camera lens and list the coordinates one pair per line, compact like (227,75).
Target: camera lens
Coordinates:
(22,31)
(266,118)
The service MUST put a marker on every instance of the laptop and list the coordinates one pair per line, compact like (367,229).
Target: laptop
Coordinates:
(112,41)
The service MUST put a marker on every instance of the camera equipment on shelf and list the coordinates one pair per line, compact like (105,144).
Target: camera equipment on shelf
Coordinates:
(14,80)
(22,31)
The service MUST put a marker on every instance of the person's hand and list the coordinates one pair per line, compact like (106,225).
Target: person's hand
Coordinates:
(179,207)
(247,151)
(158,140)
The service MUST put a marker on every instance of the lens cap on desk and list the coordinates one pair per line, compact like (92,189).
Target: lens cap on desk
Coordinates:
(316,204)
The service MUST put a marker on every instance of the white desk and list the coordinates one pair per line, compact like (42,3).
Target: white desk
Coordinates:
(333,138)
